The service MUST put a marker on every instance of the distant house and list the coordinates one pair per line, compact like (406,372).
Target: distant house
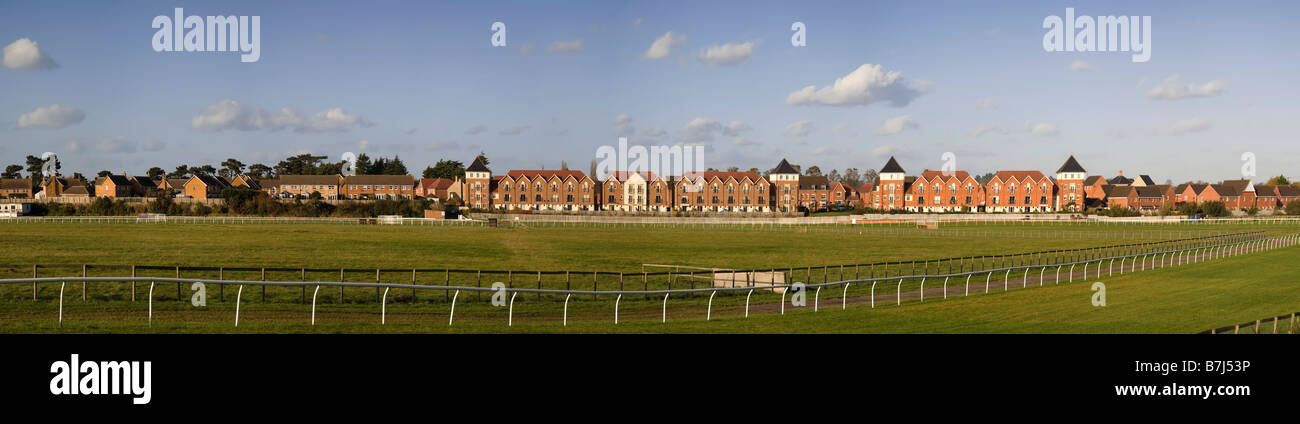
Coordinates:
(1120,180)
(433,188)
(16,188)
(63,187)
(1287,194)
(270,186)
(205,186)
(329,186)
(174,184)
(113,186)
(358,187)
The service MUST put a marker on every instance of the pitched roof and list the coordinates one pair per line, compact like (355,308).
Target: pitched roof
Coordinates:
(1239,185)
(212,180)
(309,179)
(76,189)
(1118,190)
(478,166)
(739,176)
(1265,190)
(866,187)
(145,181)
(15,183)
(1226,189)
(1151,191)
(266,183)
(622,176)
(379,179)
(892,166)
(532,174)
(930,175)
(1288,190)
(435,183)
(1146,179)
(814,183)
(784,168)
(1093,180)
(116,179)
(1121,180)
(1071,165)
(1019,175)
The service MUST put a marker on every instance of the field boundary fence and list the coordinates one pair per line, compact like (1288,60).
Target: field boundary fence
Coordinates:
(1149,256)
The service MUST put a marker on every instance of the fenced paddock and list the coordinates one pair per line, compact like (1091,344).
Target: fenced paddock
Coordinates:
(250,286)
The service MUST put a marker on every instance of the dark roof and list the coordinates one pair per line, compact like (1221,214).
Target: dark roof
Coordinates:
(1117,190)
(380,179)
(213,181)
(1239,185)
(1226,189)
(15,183)
(1288,190)
(1121,180)
(266,183)
(145,181)
(1146,179)
(784,168)
(814,183)
(478,166)
(1070,165)
(1151,191)
(892,166)
(76,189)
(118,179)
(1093,180)
(1264,190)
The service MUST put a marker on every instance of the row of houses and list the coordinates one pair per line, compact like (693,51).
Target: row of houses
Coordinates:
(783,190)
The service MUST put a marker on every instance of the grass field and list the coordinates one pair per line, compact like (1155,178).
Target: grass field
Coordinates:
(1184,299)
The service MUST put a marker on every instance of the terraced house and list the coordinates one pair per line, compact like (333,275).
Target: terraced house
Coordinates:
(540,190)
(717,191)
(1020,191)
(124,186)
(636,192)
(391,187)
(329,186)
(934,191)
(63,187)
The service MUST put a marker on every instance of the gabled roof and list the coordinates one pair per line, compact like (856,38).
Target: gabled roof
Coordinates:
(1093,180)
(1226,189)
(266,183)
(145,181)
(211,181)
(1118,190)
(622,176)
(738,176)
(1071,165)
(866,187)
(929,175)
(1265,190)
(1019,176)
(1146,179)
(116,179)
(784,168)
(1121,180)
(1238,185)
(1288,190)
(478,166)
(892,166)
(1152,191)
(533,174)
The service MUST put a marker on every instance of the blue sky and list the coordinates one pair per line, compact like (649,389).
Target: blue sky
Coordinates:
(421,80)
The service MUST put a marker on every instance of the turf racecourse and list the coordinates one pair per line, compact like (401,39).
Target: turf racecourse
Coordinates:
(1183,299)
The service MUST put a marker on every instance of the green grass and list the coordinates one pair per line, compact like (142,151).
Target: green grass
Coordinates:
(1184,299)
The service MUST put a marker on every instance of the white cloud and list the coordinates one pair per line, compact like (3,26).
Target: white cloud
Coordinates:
(735,128)
(897,124)
(111,145)
(699,130)
(1042,129)
(623,126)
(866,85)
(526,49)
(364,145)
(53,117)
(1183,127)
(1080,65)
(477,129)
(654,132)
(26,54)
(985,103)
(663,46)
(726,54)
(233,115)
(994,129)
(565,46)
(516,130)
(1173,89)
(798,129)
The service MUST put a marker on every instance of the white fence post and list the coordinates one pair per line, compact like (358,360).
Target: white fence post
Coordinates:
(709,314)
(968,284)
(452,316)
(1040,275)
(61,285)
(238,297)
(817,296)
(313,304)
(844,298)
(900,291)
(945,288)
(873,294)
(510,319)
(986,282)
(666,305)
(616,302)
(922,289)
(751,293)
(383,308)
(151,304)
(566,310)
